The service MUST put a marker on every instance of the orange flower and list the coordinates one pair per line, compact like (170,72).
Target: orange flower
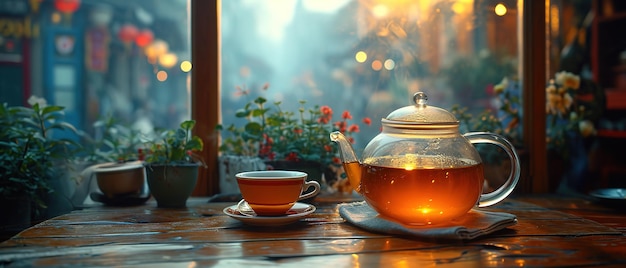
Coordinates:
(367,121)
(297,131)
(328,148)
(353,128)
(326,110)
(293,156)
(323,120)
(265,149)
(346,115)
(341,125)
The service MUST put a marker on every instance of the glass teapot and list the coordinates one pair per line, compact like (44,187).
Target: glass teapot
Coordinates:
(420,170)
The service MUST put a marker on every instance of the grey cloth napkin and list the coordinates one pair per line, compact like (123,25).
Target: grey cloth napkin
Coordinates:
(475,224)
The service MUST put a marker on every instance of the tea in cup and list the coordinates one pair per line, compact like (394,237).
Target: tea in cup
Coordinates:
(274,192)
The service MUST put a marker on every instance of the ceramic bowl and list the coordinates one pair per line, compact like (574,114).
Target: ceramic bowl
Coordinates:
(121,179)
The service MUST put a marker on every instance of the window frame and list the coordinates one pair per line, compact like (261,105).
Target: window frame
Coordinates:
(205,92)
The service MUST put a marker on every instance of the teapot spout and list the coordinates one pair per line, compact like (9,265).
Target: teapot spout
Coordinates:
(350,162)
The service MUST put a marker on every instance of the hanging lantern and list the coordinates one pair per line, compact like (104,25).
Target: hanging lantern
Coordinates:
(144,38)
(127,33)
(66,6)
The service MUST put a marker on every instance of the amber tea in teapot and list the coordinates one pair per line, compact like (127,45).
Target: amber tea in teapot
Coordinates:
(419,195)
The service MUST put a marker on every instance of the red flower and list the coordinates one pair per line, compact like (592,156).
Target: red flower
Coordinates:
(346,115)
(367,121)
(336,160)
(297,131)
(328,148)
(323,120)
(326,110)
(327,115)
(268,139)
(351,140)
(341,125)
(293,156)
(353,128)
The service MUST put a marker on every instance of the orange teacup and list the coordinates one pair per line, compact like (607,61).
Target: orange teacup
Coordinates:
(274,192)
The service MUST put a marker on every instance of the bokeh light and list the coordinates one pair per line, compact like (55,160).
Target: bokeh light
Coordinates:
(500,9)
(161,75)
(361,56)
(377,65)
(390,64)
(185,66)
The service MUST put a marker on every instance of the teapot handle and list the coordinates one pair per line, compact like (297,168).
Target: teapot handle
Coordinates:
(503,191)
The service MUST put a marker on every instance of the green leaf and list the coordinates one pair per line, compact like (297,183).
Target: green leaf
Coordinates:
(254,128)
(260,100)
(188,125)
(242,113)
(259,112)
(51,109)
(195,144)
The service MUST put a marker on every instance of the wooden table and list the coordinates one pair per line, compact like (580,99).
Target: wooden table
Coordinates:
(551,231)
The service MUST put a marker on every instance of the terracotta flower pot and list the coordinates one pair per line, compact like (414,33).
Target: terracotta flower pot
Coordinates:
(171,185)
(120,179)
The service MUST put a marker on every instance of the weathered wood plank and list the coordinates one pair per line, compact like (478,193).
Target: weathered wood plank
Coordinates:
(202,235)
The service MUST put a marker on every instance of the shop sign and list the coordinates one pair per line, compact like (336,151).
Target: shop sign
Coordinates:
(97,49)
(18,27)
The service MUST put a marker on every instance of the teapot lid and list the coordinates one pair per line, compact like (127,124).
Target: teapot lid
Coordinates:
(420,113)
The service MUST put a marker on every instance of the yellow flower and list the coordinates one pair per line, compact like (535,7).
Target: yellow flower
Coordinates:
(558,100)
(567,79)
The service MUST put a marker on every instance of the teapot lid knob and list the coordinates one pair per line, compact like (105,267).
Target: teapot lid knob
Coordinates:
(419,113)
(420,99)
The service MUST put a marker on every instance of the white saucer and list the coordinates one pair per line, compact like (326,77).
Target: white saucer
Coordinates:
(297,212)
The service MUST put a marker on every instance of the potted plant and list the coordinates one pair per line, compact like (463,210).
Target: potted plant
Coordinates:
(172,165)
(33,160)
(114,165)
(572,106)
(290,140)
(114,142)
